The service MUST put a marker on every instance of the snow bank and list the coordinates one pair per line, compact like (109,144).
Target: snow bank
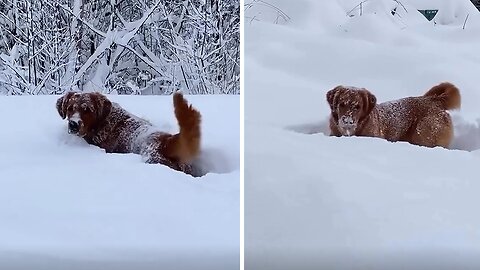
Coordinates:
(65,204)
(320,202)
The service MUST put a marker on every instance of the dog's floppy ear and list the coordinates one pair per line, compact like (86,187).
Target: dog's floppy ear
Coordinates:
(103,106)
(62,103)
(332,101)
(369,101)
(331,97)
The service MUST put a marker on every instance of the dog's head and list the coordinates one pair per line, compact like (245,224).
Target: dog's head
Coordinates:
(83,111)
(349,106)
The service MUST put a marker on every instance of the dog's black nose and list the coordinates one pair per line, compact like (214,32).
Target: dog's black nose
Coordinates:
(73,126)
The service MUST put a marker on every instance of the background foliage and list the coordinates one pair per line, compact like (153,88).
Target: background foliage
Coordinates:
(119,46)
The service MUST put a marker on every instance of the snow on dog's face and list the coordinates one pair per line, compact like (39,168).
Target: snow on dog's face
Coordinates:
(83,110)
(349,106)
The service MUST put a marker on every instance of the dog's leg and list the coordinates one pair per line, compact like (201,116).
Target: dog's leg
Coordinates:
(190,169)
(434,130)
(444,134)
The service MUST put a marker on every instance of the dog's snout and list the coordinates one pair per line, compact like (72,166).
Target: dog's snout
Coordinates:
(73,126)
(348,120)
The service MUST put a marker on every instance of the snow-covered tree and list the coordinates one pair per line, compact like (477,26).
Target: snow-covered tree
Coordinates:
(119,46)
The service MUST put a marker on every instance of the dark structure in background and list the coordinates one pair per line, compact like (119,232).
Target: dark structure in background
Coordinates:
(429,13)
(476,3)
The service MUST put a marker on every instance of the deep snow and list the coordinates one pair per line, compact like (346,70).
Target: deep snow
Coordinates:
(357,203)
(65,204)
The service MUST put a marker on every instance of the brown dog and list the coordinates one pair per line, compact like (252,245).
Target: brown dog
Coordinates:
(419,120)
(107,125)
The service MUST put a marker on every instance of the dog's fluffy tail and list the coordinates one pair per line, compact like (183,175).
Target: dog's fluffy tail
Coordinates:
(447,94)
(185,145)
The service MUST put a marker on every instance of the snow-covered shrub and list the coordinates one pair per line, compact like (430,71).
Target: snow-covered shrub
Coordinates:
(124,47)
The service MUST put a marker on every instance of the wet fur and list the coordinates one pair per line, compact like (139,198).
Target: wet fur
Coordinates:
(421,120)
(109,126)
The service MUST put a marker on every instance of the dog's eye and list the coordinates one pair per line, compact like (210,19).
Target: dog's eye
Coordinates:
(343,105)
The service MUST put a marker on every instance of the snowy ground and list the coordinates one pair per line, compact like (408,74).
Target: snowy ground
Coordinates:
(65,204)
(358,203)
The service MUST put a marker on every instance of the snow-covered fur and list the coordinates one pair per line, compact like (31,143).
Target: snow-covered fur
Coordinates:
(107,125)
(419,120)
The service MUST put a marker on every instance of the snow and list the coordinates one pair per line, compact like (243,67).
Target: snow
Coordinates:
(318,202)
(65,204)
